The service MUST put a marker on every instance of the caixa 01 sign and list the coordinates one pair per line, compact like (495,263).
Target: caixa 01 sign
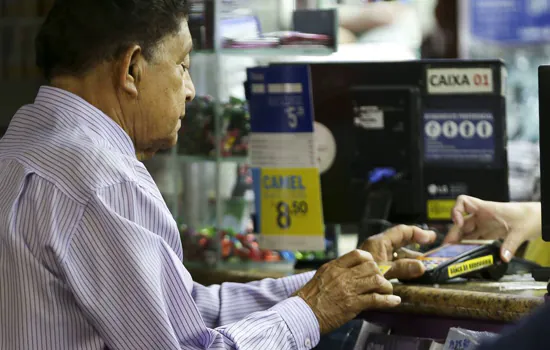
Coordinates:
(459,80)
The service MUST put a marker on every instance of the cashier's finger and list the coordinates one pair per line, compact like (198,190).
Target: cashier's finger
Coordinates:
(405,269)
(454,235)
(510,246)
(464,207)
(457,233)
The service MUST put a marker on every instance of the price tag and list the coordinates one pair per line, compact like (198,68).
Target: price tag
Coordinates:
(284,158)
(290,208)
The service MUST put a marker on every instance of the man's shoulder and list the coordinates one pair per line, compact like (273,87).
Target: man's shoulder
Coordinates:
(69,158)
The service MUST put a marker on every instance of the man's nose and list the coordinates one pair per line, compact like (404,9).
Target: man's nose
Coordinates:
(189,89)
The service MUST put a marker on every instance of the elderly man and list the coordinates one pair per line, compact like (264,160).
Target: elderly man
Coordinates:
(90,257)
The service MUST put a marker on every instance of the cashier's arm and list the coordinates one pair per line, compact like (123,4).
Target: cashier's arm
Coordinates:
(516,223)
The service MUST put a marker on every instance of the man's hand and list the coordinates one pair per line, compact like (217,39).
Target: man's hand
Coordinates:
(342,288)
(383,246)
(478,219)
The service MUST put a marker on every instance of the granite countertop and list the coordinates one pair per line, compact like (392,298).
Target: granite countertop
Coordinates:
(499,301)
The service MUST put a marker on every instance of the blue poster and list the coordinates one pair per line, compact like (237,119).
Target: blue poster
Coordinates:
(280,99)
(510,21)
(459,137)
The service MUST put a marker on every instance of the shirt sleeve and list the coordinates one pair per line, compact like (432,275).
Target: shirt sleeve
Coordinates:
(135,291)
(230,302)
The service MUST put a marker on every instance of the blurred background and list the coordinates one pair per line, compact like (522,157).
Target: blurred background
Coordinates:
(206,179)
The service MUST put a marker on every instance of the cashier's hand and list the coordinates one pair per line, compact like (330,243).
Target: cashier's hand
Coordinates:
(478,219)
(344,287)
(383,246)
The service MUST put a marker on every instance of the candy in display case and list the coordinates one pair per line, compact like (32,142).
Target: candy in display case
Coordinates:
(197,134)
(236,248)
(243,249)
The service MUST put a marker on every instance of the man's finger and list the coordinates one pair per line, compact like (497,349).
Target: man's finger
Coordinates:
(378,301)
(366,269)
(374,283)
(401,235)
(404,253)
(406,269)
(353,258)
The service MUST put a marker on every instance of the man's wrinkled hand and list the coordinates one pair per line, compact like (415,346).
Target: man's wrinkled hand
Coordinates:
(383,246)
(344,287)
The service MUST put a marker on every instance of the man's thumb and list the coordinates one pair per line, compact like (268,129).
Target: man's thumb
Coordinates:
(510,246)
(406,269)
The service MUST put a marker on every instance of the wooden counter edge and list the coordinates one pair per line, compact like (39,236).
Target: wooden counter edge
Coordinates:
(415,299)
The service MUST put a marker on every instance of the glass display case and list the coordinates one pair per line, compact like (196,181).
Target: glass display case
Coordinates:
(206,179)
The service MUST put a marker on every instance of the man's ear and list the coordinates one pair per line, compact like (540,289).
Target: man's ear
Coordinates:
(131,70)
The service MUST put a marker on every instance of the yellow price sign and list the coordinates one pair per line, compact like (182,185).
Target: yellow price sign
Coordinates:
(440,209)
(290,209)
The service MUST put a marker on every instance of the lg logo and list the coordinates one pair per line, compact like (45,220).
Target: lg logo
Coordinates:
(434,189)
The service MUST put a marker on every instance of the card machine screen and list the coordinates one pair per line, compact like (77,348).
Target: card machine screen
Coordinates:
(451,251)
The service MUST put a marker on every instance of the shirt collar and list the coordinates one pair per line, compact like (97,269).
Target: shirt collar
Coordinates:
(97,121)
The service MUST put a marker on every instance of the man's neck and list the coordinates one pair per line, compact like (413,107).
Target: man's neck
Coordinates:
(98,92)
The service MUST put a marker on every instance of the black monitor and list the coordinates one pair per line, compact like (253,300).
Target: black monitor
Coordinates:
(410,137)
(544,124)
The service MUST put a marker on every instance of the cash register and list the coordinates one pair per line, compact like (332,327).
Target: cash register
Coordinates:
(406,138)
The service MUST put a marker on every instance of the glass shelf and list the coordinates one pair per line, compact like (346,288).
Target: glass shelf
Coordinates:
(272,51)
(279,51)
(209,159)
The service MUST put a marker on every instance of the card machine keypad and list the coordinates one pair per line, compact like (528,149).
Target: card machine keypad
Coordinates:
(430,264)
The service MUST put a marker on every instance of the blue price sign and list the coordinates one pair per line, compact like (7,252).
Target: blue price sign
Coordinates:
(510,21)
(280,99)
(459,137)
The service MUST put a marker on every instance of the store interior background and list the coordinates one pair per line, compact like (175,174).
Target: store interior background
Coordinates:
(201,187)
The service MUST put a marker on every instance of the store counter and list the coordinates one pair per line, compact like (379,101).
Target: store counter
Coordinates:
(429,311)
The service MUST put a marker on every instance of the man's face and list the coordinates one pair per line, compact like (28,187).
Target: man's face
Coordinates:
(164,87)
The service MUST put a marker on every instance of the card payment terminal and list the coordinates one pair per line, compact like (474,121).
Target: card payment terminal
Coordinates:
(464,259)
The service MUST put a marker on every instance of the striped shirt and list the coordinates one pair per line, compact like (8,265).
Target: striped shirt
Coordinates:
(90,256)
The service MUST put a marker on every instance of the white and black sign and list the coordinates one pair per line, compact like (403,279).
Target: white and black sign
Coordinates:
(369,117)
(459,80)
